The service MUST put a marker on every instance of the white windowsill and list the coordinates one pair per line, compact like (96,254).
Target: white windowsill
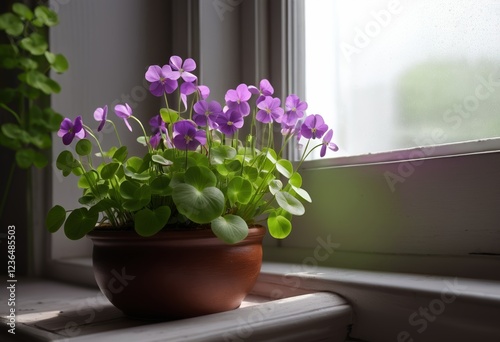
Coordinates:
(385,307)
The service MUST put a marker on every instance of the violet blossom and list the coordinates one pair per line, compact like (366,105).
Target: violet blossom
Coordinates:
(270,110)
(313,127)
(161,81)
(294,109)
(265,89)
(206,113)
(187,136)
(182,70)
(101,114)
(328,144)
(229,122)
(69,130)
(124,112)
(237,99)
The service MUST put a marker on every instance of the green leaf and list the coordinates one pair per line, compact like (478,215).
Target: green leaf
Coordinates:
(108,171)
(80,222)
(285,167)
(160,160)
(169,115)
(161,186)
(230,228)
(200,206)
(39,81)
(15,132)
(23,11)
(50,57)
(60,64)
(11,24)
(40,160)
(46,16)
(88,179)
(296,180)
(302,193)
(149,222)
(275,186)
(138,176)
(134,164)
(239,190)
(200,177)
(25,158)
(66,162)
(120,154)
(55,218)
(83,147)
(290,203)
(221,153)
(279,227)
(28,63)
(128,189)
(41,140)
(141,198)
(36,44)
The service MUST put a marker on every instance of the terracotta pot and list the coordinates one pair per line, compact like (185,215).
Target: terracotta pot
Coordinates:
(175,274)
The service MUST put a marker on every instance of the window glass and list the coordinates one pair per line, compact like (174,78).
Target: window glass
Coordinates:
(391,74)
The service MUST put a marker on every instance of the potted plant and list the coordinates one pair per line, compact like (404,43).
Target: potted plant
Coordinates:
(177,231)
(26,117)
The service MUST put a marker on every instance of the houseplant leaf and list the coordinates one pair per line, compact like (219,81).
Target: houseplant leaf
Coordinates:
(200,206)
(290,203)
(230,228)
(279,226)
(55,218)
(80,222)
(149,222)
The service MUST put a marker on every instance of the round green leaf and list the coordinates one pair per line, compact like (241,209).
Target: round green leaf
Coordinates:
(11,24)
(230,228)
(109,170)
(275,186)
(221,153)
(66,162)
(50,57)
(149,222)
(290,203)
(128,189)
(200,177)
(46,16)
(169,115)
(161,186)
(83,147)
(80,222)
(161,160)
(284,167)
(279,227)
(296,180)
(120,154)
(302,193)
(25,158)
(36,44)
(60,64)
(55,218)
(22,10)
(88,179)
(200,206)
(141,198)
(239,190)
(40,160)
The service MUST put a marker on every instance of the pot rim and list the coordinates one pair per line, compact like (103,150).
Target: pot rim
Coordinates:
(255,232)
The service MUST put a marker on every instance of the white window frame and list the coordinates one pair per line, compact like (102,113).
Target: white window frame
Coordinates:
(413,235)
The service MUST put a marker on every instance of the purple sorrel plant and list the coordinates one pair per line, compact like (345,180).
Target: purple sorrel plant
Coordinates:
(195,171)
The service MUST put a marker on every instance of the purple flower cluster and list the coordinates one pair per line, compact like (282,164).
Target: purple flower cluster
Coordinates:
(208,115)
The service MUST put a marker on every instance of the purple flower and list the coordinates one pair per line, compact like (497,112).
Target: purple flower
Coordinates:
(124,112)
(206,113)
(100,114)
(155,139)
(327,143)
(187,136)
(287,129)
(266,89)
(313,127)
(238,99)
(157,124)
(270,110)
(294,109)
(187,88)
(204,92)
(180,69)
(161,83)
(68,130)
(230,121)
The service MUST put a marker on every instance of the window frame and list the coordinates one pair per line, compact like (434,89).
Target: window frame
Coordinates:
(267,34)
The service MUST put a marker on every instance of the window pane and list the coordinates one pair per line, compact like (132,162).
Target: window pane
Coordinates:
(398,74)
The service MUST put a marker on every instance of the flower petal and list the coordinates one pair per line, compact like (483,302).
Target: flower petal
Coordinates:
(175,62)
(189,64)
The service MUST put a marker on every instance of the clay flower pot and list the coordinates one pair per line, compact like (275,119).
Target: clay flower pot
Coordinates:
(175,274)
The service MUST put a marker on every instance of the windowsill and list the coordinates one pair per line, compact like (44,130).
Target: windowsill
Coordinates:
(50,311)
(385,306)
